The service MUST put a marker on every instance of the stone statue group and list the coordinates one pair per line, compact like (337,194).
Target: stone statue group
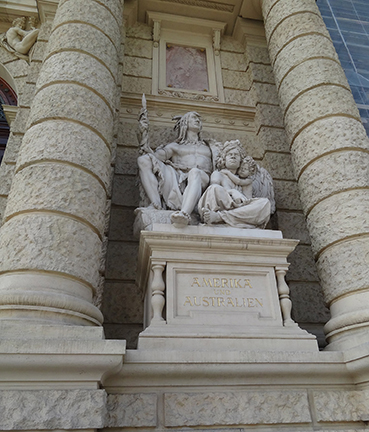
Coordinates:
(217,180)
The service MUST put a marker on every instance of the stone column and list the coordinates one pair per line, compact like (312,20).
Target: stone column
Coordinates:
(54,225)
(330,152)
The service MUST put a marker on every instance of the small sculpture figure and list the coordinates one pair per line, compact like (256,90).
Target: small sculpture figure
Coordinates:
(231,197)
(18,40)
(176,174)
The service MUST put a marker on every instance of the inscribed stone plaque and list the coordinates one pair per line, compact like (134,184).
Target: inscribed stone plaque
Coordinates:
(186,68)
(239,296)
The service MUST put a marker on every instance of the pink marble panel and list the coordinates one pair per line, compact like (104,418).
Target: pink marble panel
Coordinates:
(186,68)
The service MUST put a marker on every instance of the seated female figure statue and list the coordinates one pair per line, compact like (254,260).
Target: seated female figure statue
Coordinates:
(229,198)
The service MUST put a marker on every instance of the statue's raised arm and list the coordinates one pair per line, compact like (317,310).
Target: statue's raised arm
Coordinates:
(176,174)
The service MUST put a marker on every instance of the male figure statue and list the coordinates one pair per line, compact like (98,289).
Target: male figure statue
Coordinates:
(18,38)
(177,173)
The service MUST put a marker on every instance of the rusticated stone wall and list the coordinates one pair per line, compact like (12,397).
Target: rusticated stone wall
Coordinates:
(330,152)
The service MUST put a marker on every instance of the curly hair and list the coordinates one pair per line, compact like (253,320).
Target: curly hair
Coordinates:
(248,160)
(227,147)
(181,125)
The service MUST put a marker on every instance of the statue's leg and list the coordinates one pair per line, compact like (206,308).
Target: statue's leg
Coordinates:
(149,180)
(197,181)
(27,42)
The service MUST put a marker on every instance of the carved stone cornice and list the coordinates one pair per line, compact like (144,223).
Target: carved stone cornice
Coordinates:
(214,115)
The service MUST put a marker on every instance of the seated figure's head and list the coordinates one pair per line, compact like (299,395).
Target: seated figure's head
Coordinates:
(228,148)
(247,168)
(189,121)
(20,22)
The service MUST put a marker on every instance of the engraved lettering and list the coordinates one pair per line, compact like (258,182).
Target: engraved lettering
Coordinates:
(237,283)
(212,301)
(207,282)
(195,281)
(230,301)
(237,305)
(188,300)
(250,302)
(216,282)
(194,302)
(224,282)
(247,283)
(260,302)
(220,300)
(205,302)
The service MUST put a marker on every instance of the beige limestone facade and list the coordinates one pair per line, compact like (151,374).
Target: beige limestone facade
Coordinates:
(74,276)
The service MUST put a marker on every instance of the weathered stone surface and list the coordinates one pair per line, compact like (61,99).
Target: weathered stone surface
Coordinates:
(52,409)
(327,135)
(315,72)
(140,31)
(347,169)
(293,27)
(233,61)
(293,226)
(338,217)
(317,103)
(228,43)
(3,200)
(257,54)
(35,241)
(6,177)
(86,39)
(236,80)
(59,188)
(285,8)
(79,68)
(303,266)
(25,98)
(238,97)
(6,56)
(287,195)
(303,48)
(39,51)
(343,267)
(138,48)
(34,72)
(18,68)
(132,410)
(265,93)
(64,101)
(280,165)
(235,408)
(19,123)
(128,133)
(135,66)
(45,31)
(340,406)
(262,73)
(73,143)
(121,260)
(268,115)
(126,160)
(308,303)
(126,191)
(122,303)
(90,13)
(136,84)
(274,139)
(121,224)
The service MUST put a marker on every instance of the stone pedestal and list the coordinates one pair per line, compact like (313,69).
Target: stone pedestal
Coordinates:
(217,288)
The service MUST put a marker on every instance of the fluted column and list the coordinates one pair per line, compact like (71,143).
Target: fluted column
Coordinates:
(330,152)
(51,240)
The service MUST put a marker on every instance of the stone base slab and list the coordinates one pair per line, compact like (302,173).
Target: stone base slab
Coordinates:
(217,288)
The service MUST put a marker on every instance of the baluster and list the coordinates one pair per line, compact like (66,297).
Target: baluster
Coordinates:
(157,289)
(284,297)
